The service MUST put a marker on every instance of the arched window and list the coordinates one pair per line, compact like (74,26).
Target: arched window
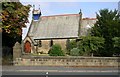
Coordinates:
(27,47)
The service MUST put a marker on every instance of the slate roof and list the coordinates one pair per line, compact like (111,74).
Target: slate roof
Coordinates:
(58,26)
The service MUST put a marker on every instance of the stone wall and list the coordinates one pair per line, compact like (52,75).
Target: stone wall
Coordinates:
(17,50)
(68,61)
(61,42)
(46,45)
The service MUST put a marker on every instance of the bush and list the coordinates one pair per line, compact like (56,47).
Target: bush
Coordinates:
(75,52)
(116,45)
(91,44)
(56,50)
(70,45)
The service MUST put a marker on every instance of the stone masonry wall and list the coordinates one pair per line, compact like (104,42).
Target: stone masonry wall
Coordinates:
(61,42)
(46,45)
(68,61)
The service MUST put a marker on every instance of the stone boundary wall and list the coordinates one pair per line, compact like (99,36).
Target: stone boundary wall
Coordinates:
(68,61)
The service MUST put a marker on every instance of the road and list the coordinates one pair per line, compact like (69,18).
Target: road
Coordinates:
(61,71)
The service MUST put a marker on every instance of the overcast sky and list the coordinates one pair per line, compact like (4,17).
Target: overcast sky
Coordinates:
(56,7)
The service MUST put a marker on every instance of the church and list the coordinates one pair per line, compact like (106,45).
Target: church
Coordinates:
(46,31)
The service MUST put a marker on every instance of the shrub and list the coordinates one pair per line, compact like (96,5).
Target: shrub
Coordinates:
(56,50)
(70,45)
(116,45)
(74,52)
(91,44)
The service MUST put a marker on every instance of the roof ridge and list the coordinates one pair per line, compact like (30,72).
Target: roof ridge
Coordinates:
(60,15)
(87,18)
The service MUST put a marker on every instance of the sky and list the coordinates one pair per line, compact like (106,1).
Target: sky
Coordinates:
(89,8)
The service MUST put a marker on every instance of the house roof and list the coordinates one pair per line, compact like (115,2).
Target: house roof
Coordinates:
(57,26)
(89,18)
(86,24)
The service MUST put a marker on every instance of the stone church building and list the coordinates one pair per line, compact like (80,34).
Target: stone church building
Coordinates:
(46,31)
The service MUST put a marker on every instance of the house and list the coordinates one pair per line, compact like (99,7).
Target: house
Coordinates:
(86,25)
(46,31)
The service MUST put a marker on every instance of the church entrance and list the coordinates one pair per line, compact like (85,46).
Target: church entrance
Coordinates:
(27,47)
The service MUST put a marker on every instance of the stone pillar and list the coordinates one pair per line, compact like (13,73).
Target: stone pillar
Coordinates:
(17,50)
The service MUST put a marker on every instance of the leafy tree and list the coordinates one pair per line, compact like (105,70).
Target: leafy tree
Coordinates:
(56,50)
(116,44)
(70,45)
(75,52)
(108,27)
(90,44)
(14,16)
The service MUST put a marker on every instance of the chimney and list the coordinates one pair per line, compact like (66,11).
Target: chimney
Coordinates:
(36,13)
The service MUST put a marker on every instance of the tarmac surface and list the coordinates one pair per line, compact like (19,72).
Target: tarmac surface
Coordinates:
(59,71)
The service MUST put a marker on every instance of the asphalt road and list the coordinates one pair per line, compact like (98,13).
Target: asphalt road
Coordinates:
(46,71)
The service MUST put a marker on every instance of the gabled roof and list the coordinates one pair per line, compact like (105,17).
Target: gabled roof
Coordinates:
(86,24)
(57,26)
(89,19)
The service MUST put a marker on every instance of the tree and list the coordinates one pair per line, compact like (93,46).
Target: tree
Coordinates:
(14,16)
(108,27)
(116,44)
(56,50)
(75,52)
(70,45)
(90,45)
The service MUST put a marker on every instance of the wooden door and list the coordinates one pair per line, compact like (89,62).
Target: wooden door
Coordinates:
(27,47)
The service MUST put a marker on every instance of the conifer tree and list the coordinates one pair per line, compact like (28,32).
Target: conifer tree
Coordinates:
(108,27)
